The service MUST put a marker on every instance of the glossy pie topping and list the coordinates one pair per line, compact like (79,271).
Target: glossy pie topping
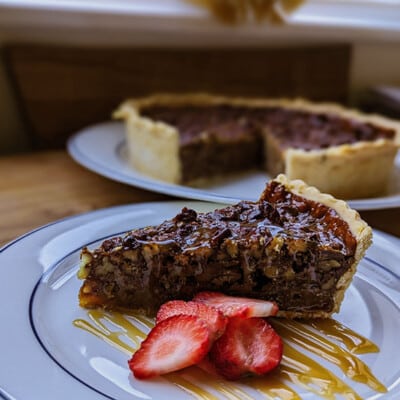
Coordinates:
(283,247)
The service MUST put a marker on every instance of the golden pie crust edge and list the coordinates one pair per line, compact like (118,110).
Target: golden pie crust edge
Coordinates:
(358,170)
(359,228)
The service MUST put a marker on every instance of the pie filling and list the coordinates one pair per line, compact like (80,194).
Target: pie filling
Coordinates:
(223,138)
(283,248)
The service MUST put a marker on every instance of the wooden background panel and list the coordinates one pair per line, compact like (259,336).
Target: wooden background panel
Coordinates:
(63,89)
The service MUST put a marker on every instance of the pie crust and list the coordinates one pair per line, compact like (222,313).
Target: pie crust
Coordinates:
(357,170)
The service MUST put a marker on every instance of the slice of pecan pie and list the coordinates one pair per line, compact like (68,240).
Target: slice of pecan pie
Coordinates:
(193,138)
(295,246)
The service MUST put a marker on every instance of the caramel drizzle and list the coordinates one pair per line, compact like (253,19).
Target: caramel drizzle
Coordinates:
(354,342)
(351,366)
(126,331)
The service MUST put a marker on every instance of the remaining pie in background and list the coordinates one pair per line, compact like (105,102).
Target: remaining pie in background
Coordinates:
(295,246)
(193,139)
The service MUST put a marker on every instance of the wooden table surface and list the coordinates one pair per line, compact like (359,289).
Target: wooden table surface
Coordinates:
(39,188)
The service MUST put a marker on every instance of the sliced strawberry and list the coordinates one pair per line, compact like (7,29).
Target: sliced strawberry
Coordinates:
(248,347)
(175,343)
(214,318)
(237,306)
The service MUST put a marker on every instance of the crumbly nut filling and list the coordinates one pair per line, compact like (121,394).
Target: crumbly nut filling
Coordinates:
(283,248)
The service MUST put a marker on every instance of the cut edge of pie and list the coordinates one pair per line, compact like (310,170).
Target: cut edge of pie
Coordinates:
(362,169)
(358,227)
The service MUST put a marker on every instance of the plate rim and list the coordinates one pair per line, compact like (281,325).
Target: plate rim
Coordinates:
(71,222)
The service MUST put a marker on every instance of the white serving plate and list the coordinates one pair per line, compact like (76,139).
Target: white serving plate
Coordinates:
(43,356)
(101,148)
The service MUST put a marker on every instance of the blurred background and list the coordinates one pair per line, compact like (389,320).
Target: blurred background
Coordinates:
(67,64)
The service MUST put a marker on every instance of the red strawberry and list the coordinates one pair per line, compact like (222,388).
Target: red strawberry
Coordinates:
(214,318)
(248,347)
(237,306)
(173,344)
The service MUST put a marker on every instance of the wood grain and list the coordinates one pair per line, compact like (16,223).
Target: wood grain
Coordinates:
(63,89)
(42,187)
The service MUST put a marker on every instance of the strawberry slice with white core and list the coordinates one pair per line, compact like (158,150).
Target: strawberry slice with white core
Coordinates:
(175,343)
(242,307)
(214,318)
(248,347)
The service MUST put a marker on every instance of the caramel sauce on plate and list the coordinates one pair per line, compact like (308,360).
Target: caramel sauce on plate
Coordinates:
(327,339)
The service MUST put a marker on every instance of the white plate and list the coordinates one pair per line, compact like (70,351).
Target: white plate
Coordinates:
(101,148)
(43,356)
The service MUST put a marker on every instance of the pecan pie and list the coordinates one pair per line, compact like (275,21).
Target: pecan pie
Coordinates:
(191,139)
(295,246)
